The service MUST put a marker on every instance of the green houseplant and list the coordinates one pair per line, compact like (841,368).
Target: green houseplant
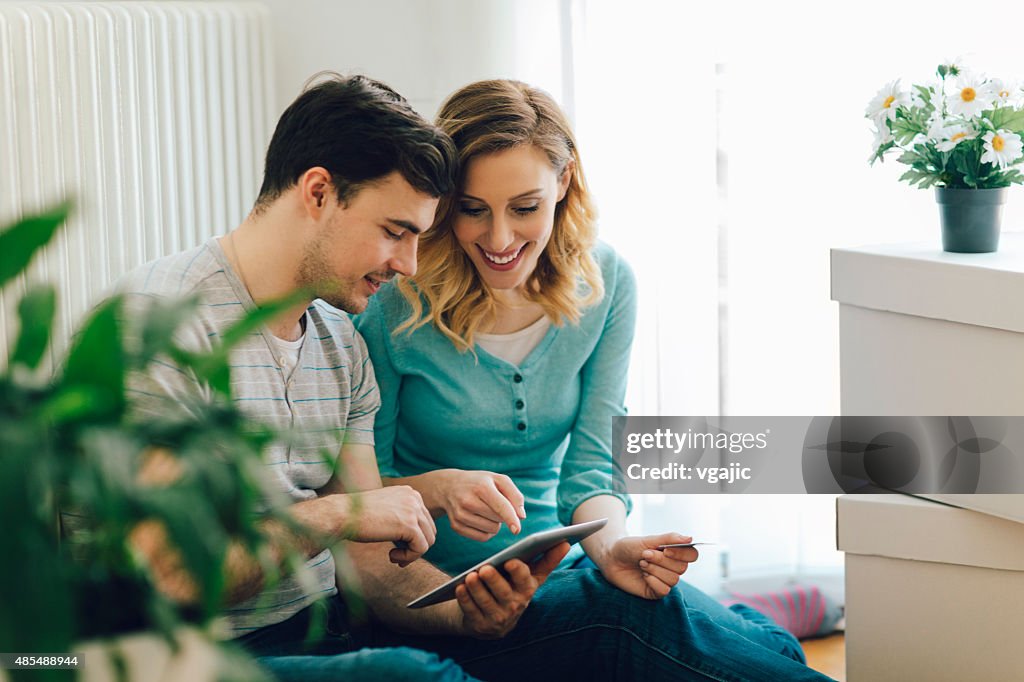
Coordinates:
(961,135)
(71,451)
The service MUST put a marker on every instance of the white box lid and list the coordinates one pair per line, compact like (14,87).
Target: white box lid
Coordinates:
(921,279)
(1006,506)
(905,527)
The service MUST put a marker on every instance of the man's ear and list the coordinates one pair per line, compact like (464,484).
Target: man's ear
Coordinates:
(315,190)
(563,181)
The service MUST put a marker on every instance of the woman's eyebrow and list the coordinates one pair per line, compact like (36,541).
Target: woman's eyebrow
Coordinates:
(518,196)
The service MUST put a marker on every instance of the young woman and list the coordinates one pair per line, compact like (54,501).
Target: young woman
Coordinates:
(502,361)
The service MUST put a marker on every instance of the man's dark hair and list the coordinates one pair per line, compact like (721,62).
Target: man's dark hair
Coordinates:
(359,130)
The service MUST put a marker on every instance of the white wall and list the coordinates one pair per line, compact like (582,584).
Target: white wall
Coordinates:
(425,49)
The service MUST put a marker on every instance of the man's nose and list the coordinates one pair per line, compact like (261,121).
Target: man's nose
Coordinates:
(404,260)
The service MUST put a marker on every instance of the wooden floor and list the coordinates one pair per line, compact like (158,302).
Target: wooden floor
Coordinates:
(827,655)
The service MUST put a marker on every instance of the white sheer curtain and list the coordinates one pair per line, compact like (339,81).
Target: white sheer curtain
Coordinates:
(727,149)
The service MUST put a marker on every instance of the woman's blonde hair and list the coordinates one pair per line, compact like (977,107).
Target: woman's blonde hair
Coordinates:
(483,118)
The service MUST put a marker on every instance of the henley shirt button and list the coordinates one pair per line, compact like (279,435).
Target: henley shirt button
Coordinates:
(518,378)
(522,426)
(520,404)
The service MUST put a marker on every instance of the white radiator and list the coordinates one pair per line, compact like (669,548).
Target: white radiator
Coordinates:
(153,116)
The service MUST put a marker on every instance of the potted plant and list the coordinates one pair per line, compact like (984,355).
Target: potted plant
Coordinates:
(72,491)
(961,135)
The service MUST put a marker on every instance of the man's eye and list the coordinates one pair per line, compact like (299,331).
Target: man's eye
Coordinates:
(525,210)
(471,211)
(397,236)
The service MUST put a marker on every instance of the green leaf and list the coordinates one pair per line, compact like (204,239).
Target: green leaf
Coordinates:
(261,316)
(36,314)
(194,530)
(910,158)
(213,367)
(905,130)
(880,152)
(73,403)
(1006,118)
(19,242)
(97,358)
(914,176)
(160,321)
(1013,176)
(926,93)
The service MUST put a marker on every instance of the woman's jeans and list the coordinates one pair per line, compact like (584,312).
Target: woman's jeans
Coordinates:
(579,626)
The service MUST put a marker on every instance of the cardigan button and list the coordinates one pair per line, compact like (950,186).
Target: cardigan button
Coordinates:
(518,378)
(520,404)
(521,426)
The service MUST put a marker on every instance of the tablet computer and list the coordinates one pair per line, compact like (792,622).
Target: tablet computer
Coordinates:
(527,549)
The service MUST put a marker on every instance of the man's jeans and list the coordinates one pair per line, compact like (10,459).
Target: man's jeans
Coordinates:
(581,627)
(341,653)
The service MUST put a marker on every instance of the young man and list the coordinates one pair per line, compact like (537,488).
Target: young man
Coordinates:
(352,178)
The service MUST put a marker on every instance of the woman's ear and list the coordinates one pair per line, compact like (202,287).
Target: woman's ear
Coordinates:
(563,181)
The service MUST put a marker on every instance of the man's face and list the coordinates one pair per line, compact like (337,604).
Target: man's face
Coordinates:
(365,243)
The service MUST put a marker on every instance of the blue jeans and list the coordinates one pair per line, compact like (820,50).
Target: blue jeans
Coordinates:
(366,665)
(340,653)
(579,626)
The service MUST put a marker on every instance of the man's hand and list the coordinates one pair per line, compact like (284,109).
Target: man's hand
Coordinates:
(395,514)
(477,502)
(149,539)
(491,605)
(635,566)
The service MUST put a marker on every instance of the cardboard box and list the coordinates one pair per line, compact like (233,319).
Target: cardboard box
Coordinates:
(926,332)
(1004,506)
(934,592)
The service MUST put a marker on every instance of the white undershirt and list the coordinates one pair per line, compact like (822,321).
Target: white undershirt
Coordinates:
(513,348)
(287,353)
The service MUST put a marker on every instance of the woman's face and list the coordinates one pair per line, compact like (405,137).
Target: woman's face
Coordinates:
(505,213)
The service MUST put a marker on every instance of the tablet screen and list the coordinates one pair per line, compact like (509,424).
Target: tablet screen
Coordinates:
(527,549)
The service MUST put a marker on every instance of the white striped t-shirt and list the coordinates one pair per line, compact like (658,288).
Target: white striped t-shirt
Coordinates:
(330,399)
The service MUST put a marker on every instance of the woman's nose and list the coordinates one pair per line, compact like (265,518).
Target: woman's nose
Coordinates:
(500,237)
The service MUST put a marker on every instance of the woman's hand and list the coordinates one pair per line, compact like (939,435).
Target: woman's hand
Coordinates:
(477,502)
(634,565)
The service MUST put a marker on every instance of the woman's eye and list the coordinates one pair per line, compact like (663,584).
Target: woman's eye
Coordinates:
(471,211)
(525,210)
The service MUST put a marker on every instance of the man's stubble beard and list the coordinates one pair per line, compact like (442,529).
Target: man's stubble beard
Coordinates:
(315,275)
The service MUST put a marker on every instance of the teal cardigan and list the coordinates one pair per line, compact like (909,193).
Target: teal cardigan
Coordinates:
(545,423)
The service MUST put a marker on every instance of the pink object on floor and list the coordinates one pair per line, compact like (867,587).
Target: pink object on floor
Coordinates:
(800,609)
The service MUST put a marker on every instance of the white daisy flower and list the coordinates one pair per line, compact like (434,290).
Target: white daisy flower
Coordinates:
(1002,148)
(952,135)
(882,137)
(884,105)
(1006,94)
(971,95)
(937,127)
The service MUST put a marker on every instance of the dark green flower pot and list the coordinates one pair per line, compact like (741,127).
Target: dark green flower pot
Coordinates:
(970,218)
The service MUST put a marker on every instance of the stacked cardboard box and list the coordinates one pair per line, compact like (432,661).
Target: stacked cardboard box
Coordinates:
(934,591)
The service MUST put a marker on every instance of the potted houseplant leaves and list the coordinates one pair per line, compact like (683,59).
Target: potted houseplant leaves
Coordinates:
(961,135)
(71,493)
